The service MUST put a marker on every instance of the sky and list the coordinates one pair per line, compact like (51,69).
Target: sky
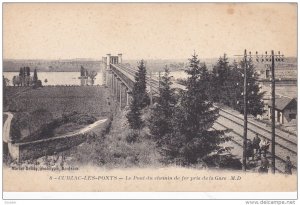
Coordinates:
(146,30)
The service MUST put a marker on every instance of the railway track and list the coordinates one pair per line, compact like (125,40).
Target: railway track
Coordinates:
(133,71)
(282,141)
(238,140)
(292,136)
(154,83)
(284,147)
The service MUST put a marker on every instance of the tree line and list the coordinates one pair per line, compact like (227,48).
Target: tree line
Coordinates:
(24,78)
(181,122)
(86,74)
(227,86)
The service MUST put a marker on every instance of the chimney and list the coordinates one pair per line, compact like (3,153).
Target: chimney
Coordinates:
(120,58)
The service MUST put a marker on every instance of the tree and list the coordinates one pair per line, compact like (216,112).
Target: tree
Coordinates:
(36,82)
(134,115)
(5,81)
(16,80)
(160,121)
(35,77)
(140,98)
(27,76)
(193,138)
(22,76)
(254,96)
(21,72)
(219,81)
(92,76)
(233,82)
(28,71)
(140,87)
(82,71)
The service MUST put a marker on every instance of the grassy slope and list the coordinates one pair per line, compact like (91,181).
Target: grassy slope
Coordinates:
(91,100)
(113,150)
(58,100)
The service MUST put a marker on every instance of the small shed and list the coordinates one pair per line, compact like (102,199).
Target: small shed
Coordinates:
(285,109)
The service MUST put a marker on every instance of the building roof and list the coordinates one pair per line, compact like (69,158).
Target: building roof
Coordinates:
(282,102)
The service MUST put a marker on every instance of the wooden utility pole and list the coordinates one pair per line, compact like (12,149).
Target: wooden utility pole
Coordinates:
(245,113)
(245,94)
(264,58)
(273,111)
(272,58)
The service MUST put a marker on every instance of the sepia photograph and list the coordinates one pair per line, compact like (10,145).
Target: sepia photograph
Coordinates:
(150,97)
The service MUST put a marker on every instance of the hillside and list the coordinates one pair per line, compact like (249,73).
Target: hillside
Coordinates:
(155,65)
(51,65)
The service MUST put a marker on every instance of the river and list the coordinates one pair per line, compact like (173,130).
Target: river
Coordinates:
(57,78)
(71,78)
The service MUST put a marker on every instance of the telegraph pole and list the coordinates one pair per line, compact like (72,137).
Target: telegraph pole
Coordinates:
(245,113)
(264,58)
(272,58)
(273,111)
(245,94)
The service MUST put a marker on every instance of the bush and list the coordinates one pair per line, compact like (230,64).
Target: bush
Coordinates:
(47,130)
(227,161)
(81,119)
(132,137)
(119,147)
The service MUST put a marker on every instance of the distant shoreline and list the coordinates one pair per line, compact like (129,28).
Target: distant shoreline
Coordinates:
(44,71)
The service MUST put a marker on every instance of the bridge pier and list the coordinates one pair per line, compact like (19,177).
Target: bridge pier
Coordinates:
(108,78)
(112,82)
(115,81)
(118,82)
(120,90)
(123,95)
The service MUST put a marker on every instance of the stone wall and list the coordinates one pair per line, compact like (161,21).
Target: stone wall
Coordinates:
(39,148)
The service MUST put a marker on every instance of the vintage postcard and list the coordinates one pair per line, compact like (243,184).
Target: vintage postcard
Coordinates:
(150,97)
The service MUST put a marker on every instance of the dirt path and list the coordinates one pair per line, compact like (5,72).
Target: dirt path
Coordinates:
(85,129)
(7,125)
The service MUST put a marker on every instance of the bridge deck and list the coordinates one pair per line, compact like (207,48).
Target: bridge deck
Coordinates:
(152,82)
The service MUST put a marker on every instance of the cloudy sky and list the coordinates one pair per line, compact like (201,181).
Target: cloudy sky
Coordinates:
(165,31)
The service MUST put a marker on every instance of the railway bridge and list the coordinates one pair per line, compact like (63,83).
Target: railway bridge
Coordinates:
(119,78)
